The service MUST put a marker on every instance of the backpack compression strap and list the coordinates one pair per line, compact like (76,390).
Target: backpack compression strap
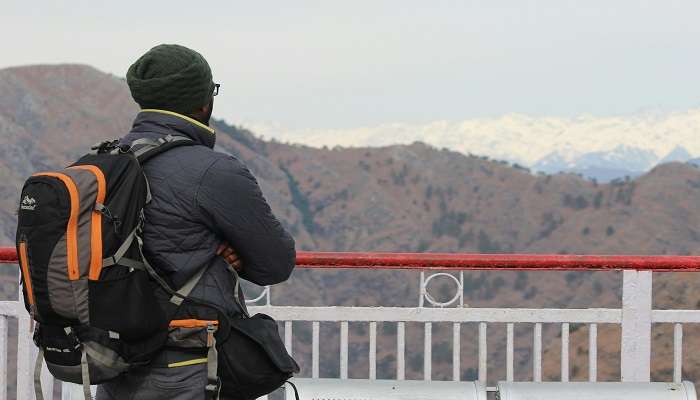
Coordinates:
(145,149)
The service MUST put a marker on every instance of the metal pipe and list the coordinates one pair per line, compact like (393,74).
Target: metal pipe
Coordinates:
(442,261)
(463,261)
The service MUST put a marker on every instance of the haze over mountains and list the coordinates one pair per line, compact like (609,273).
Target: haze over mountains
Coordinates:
(604,148)
(401,198)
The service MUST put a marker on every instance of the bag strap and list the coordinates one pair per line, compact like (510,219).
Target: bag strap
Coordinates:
(38,392)
(145,149)
(236,291)
(223,317)
(152,272)
(213,387)
(119,254)
(296,392)
(85,373)
(187,288)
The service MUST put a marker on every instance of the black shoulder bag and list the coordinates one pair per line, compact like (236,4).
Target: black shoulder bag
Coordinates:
(253,360)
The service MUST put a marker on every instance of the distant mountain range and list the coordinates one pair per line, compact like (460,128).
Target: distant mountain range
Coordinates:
(414,198)
(603,148)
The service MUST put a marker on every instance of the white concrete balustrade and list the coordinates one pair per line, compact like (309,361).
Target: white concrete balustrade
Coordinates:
(635,318)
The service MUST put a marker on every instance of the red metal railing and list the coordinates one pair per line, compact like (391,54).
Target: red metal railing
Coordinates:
(8,255)
(440,261)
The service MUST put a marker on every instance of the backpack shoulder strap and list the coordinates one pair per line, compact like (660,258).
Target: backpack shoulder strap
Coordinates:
(145,149)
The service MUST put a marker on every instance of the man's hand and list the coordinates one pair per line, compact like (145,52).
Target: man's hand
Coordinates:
(230,255)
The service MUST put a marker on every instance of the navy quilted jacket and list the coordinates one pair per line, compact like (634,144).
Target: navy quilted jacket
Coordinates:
(202,198)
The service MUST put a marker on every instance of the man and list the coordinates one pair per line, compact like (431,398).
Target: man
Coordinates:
(207,211)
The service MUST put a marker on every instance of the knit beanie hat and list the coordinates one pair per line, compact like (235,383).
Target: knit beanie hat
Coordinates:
(171,77)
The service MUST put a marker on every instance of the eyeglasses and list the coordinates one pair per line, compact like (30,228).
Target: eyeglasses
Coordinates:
(216,89)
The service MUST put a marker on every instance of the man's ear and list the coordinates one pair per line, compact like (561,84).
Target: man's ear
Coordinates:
(200,112)
(203,114)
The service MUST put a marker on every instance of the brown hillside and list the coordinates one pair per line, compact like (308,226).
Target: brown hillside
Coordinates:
(398,198)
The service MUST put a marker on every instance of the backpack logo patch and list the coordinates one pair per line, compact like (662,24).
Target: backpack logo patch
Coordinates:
(28,203)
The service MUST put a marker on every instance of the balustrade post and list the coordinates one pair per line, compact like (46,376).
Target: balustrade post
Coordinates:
(636,326)
(25,383)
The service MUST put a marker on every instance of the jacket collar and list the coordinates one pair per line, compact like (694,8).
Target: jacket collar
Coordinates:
(153,121)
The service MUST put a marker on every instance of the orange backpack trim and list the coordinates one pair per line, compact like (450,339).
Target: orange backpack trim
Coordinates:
(96,222)
(72,231)
(192,323)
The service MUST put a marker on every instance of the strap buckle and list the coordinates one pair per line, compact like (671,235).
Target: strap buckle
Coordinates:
(210,334)
(213,388)
(105,146)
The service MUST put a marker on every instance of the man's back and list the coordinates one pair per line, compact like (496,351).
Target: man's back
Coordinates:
(201,201)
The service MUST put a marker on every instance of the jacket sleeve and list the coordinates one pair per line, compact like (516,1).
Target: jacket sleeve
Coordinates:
(233,206)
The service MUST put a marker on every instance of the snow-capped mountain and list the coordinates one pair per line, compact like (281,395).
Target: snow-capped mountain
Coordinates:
(679,154)
(604,165)
(599,147)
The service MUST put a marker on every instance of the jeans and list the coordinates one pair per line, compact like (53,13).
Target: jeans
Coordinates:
(156,383)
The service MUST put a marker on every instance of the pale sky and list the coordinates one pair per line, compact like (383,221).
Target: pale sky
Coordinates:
(344,64)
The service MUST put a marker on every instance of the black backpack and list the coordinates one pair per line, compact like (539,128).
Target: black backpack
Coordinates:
(100,309)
